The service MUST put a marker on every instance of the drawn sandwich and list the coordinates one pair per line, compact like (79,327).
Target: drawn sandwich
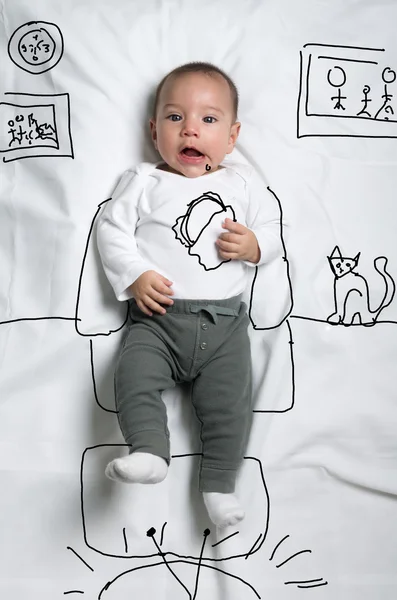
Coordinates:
(201,225)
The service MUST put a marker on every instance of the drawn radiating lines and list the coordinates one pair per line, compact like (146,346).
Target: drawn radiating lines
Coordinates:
(303,584)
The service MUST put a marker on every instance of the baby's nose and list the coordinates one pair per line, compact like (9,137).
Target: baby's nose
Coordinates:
(190,128)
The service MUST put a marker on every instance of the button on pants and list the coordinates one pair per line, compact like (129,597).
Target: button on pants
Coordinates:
(206,343)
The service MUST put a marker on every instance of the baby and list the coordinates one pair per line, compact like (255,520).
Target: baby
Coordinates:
(177,241)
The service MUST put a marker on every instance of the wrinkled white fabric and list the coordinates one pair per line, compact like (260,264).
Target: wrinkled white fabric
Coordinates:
(319,482)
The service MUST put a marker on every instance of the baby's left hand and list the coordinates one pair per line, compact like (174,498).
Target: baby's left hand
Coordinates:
(239,243)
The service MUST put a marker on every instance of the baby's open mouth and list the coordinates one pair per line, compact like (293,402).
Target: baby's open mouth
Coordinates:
(192,152)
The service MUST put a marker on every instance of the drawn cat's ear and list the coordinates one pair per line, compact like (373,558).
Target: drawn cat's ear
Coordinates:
(336,253)
(356,258)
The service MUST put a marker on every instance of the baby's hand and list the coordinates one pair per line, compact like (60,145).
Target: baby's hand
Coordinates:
(150,290)
(239,244)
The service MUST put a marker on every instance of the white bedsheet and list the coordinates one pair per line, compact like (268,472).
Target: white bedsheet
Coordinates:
(319,120)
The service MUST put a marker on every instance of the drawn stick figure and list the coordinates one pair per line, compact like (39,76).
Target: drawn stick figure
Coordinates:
(366,100)
(339,85)
(17,134)
(388,76)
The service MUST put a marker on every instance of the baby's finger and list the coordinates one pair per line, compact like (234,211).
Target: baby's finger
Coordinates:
(167,282)
(161,288)
(234,226)
(153,305)
(228,255)
(143,308)
(160,298)
(235,238)
(227,246)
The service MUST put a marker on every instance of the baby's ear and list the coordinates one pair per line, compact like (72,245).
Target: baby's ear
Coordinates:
(153,131)
(234,133)
(236,130)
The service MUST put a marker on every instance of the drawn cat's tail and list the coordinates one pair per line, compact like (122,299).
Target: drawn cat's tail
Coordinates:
(380,264)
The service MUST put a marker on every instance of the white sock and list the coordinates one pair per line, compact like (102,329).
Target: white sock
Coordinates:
(138,467)
(223,509)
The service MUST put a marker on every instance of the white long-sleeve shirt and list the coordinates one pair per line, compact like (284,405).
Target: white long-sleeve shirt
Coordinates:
(169,223)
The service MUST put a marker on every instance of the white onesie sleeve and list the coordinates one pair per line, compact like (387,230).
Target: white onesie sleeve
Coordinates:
(116,236)
(264,219)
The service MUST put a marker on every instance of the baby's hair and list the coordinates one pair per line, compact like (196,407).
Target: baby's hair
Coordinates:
(199,67)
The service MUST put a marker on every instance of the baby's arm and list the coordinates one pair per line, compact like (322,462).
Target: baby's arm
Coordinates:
(128,273)
(260,241)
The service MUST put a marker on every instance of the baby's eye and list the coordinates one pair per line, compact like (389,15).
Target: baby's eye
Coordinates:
(209,120)
(174,117)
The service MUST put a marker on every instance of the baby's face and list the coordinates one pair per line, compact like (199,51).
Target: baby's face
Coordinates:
(194,124)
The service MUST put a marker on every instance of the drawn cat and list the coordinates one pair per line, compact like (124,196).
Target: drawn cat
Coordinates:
(351,291)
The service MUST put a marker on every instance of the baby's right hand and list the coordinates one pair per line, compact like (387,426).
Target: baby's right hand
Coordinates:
(150,290)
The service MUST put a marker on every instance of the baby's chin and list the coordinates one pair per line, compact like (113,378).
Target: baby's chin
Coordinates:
(192,171)
(191,175)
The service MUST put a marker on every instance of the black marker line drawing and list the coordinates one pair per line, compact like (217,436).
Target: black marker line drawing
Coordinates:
(292,557)
(125,541)
(94,385)
(162,534)
(278,271)
(353,72)
(151,533)
(200,225)
(278,546)
(36,47)
(300,583)
(78,321)
(225,539)
(35,125)
(257,542)
(366,101)
(303,584)
(261,318)
(89,454)
(79,557)
(254,312)
(25,130)
(338,84)
(388,76)
(185,562)
(37,319)
(200,561)
(351,291)
(251,550)
(291,366)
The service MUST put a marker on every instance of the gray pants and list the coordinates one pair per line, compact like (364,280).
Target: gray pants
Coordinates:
(204,342)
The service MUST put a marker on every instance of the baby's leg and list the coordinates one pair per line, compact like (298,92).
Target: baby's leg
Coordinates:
(143,371)
(222,397)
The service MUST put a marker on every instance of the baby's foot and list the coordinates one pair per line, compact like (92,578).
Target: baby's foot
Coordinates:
(223,509)
(138,467)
